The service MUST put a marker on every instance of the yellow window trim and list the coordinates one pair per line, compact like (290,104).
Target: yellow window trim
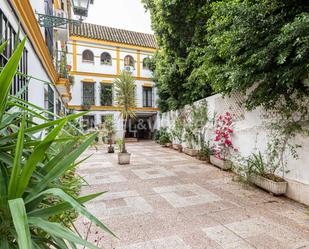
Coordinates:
(118,60)
(116,44)
(111,108)
(57,4)
(88,80)
(106,82)
(29,22)
(147,85)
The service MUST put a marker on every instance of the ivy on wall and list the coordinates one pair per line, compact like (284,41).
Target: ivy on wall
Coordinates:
(231,45)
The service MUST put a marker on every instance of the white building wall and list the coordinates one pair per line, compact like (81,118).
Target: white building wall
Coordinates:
(35,67)
(251,136)
(107,73)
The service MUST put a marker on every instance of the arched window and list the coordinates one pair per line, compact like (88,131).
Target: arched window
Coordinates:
(146,63)
(106,58)
(129,61)
(88,56)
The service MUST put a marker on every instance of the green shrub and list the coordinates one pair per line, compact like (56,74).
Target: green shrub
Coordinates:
(35,164)
(206,151)
(164,136)
(157,136)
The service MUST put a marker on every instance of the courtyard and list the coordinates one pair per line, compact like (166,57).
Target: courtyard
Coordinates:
(168,200)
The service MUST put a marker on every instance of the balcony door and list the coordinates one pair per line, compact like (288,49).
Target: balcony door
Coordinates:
(88,94)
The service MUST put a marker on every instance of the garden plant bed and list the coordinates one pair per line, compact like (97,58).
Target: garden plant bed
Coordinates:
(222,164)
(177,147)
(190,152)
(276,185)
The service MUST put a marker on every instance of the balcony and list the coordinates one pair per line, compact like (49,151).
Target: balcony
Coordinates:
(65,80)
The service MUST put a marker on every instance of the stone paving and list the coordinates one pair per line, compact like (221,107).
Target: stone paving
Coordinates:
(167,200)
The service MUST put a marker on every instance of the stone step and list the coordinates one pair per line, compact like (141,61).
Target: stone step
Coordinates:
(131,140)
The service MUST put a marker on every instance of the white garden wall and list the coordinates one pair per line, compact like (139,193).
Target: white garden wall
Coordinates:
(250,136)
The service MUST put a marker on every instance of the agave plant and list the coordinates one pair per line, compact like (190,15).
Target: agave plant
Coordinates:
(33,156)
(125,98)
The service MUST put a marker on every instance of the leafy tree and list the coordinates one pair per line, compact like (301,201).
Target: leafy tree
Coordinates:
(179,29)
(126,99)
(259,45)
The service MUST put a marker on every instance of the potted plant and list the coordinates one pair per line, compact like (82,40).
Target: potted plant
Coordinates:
(263,176)
(205,152)
(164,139)
(109,130)
(190,137)
(156,136)
(177,133)
(86,105)
(222,142)
(125,98)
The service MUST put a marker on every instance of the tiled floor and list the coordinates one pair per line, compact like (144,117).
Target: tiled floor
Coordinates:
(167,200)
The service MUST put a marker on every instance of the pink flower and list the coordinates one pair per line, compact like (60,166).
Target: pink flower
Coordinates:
(227,142)
(230,130)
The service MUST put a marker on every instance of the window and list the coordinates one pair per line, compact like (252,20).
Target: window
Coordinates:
(88,56)
(49,31)
(88,94)
(106,95)
(129,61)
(147,96)
(106,58)
(146,63)
(105,117)
(58,108)
(88,122)
(49,101)
(8,34)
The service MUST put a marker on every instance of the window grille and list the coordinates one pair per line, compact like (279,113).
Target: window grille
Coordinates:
(147,96)
(88,94)
(7,33)
(106,95)
(88,56)
(106,58)
(129,61)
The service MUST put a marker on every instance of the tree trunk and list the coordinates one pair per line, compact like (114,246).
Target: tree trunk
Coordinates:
(124,137)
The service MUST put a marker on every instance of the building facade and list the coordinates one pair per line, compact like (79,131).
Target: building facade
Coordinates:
(45,51)
(97,55)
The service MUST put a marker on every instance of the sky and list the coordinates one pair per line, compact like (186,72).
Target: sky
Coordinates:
(123,14)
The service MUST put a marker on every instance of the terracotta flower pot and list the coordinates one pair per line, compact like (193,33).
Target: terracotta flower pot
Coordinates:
(110,149)
(222,164)
(276,188)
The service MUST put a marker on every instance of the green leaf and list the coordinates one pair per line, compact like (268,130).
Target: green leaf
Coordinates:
(17,161)
(76,205)
(37,128)
(4,243)
(2,46)
(46,212)
(59,231)
(60,167)
(7,75)
(37,156)
(3,189)
(18,212)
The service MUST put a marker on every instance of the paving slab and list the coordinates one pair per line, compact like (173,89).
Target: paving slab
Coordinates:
(168,200)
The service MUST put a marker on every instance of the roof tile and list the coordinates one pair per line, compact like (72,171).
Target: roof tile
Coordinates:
(113,34)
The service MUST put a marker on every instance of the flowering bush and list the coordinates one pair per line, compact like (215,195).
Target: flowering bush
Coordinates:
(223,141)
